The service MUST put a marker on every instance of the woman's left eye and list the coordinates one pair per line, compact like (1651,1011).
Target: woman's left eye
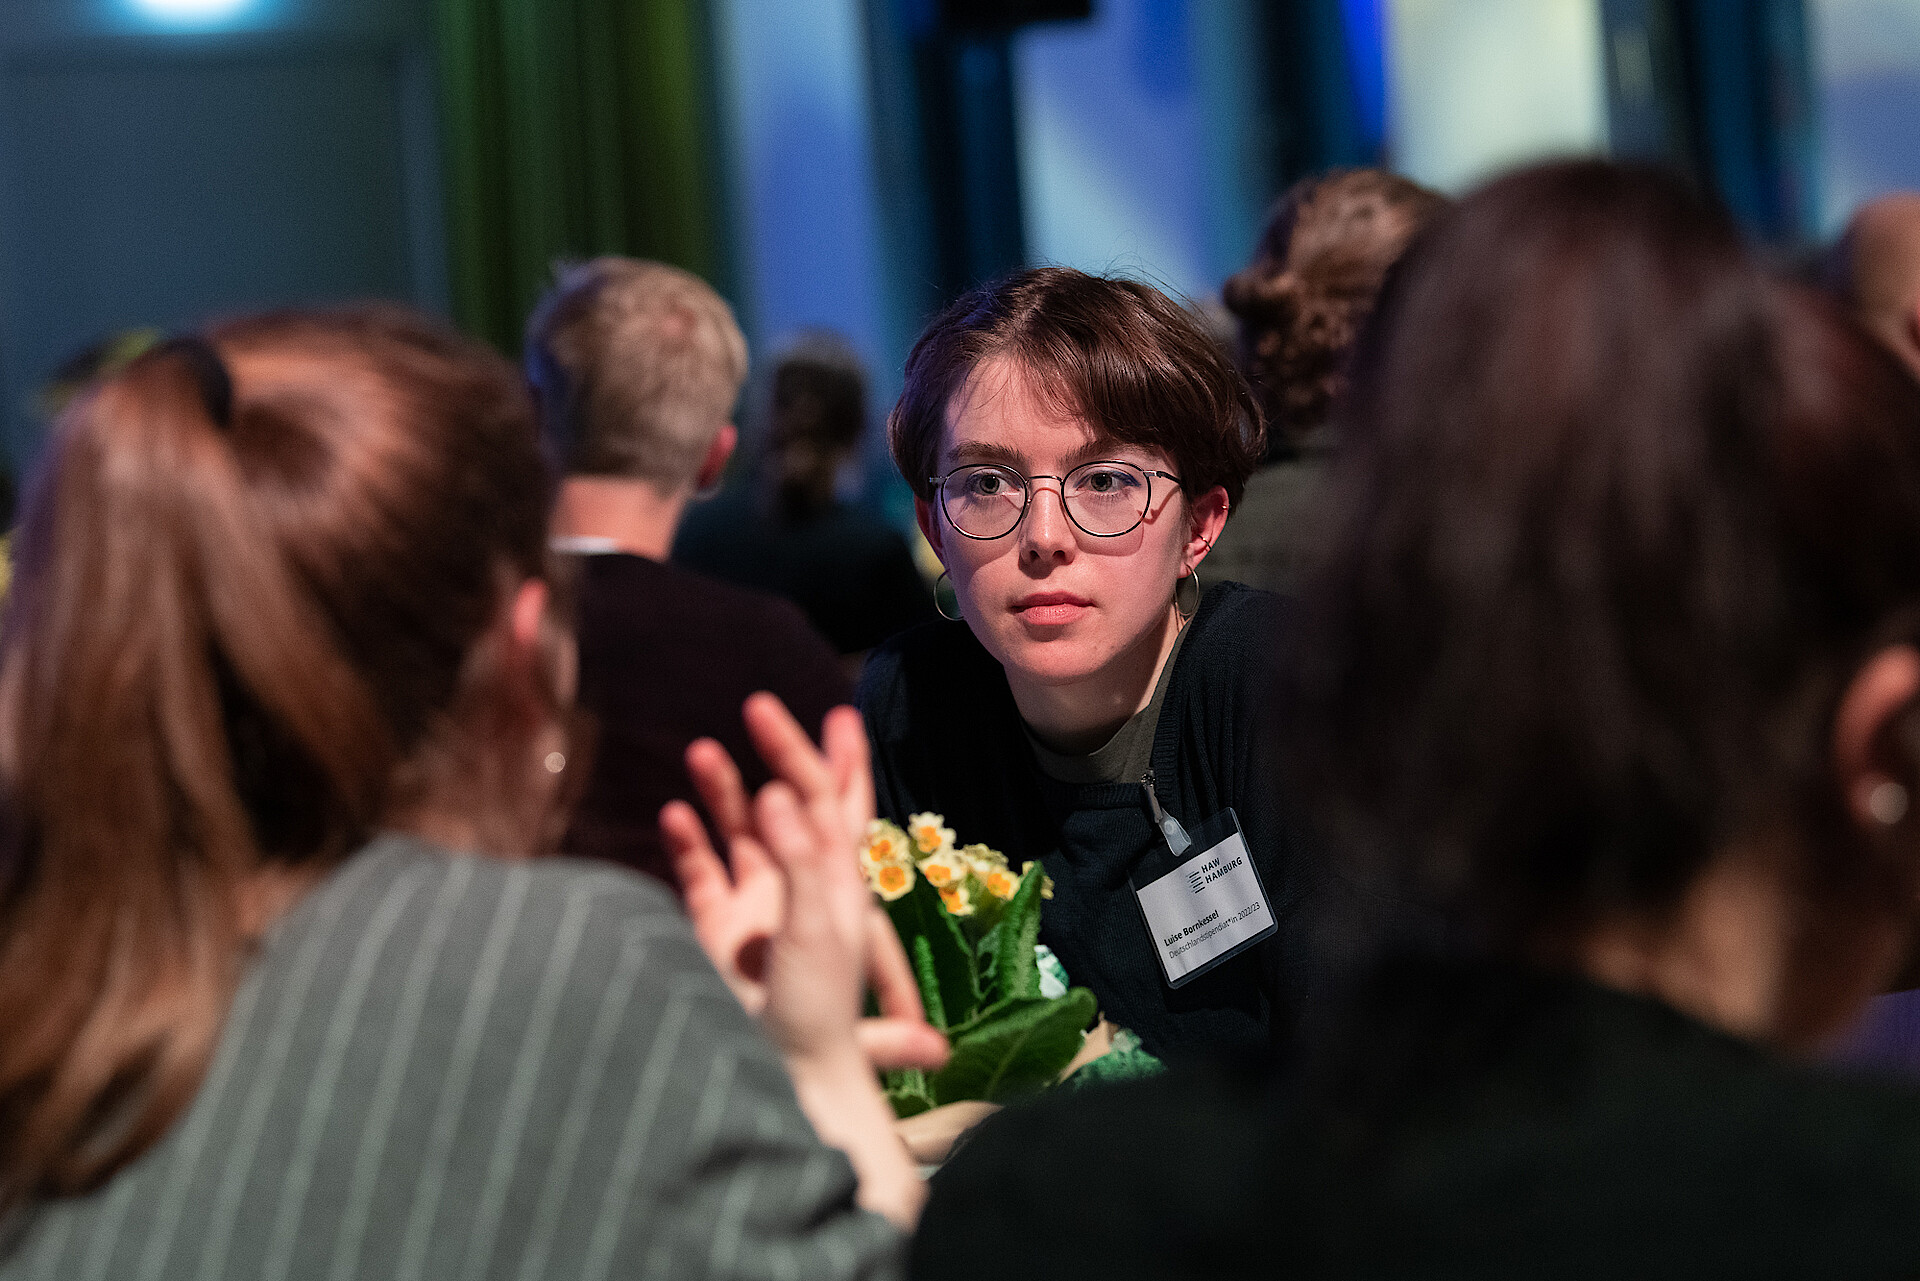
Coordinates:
(1107,482)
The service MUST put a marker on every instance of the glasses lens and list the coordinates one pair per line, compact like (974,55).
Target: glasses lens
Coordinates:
(984,501)
(1106,498)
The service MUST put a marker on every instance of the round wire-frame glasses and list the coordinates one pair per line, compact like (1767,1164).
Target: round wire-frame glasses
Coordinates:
(1105,498)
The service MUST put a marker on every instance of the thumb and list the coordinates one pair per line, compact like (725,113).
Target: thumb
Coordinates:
(901,1043)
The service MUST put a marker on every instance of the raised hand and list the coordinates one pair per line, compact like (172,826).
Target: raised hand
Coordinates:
(795,930)
(794,850)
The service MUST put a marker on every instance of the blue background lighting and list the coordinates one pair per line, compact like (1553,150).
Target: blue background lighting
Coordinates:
(197,14)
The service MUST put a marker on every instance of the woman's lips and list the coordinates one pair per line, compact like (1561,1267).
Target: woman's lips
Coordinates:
(1050,609)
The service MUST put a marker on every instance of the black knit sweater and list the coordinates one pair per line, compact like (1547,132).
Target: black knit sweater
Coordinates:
(948,738)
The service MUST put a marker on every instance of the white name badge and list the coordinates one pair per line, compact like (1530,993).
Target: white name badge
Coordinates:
(1209,906)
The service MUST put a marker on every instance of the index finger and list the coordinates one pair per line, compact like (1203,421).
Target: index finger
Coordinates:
(703,877)
(721,788)
(785,746)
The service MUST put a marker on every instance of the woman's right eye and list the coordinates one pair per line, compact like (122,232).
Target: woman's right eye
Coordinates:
(986,484)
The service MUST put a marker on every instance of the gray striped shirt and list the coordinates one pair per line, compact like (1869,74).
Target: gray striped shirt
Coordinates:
(448,1066)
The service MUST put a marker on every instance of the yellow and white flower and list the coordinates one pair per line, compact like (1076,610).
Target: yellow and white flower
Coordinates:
(958,900)
(890,880)
(886,844)
(989,867)
(945,870)
(1046,882)
(1001,882)
(983,858)
(930,833)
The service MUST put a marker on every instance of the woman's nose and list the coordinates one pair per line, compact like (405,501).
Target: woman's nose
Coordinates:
(1046,529)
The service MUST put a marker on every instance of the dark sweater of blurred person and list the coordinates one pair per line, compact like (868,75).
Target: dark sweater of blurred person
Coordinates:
(668,656)
(1472,1120)
(790,533)
(637,366)
(1327,247)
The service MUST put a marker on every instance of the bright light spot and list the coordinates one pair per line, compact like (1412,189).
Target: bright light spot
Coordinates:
(1477,86)
(190,13)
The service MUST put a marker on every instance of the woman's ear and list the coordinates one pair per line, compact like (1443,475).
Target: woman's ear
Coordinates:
(541,643)
(1873,761)
(528,611)
(1208,517)
(928,519)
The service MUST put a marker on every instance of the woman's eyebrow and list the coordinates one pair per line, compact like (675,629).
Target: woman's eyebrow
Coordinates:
(986,451)
(1097,448)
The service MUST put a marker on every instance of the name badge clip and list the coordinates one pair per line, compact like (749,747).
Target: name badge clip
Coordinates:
(1177,839)
(1201,909)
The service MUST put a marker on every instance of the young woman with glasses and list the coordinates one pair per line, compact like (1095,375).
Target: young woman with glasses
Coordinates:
(1075,445)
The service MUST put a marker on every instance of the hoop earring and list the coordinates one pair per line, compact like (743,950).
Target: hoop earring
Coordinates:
(940,608)
(1192,576)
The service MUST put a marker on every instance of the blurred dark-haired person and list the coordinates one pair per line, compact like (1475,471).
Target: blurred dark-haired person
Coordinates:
(636,366)
(790,532)
(1075,444)
(282,992)
(1328,245)
(1876,268)
(1613,664)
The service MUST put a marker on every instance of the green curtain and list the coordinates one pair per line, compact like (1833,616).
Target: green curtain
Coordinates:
(572,128)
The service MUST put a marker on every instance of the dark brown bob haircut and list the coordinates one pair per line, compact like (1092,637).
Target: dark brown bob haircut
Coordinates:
(1618,518)
(1121,355)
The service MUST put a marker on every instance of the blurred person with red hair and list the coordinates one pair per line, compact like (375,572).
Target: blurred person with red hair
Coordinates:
(282,696)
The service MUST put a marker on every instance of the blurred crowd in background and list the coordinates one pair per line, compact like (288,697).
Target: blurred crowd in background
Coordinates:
(1388,529)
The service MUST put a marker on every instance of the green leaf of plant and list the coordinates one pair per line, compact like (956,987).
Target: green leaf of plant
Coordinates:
(1014,971)
(984,956)
(942,958)
(908,1093)
(981,1017)
(927,975)
(985,918)
(1021,1049)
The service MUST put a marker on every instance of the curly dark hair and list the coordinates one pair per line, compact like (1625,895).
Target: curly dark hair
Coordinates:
(1327,246)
